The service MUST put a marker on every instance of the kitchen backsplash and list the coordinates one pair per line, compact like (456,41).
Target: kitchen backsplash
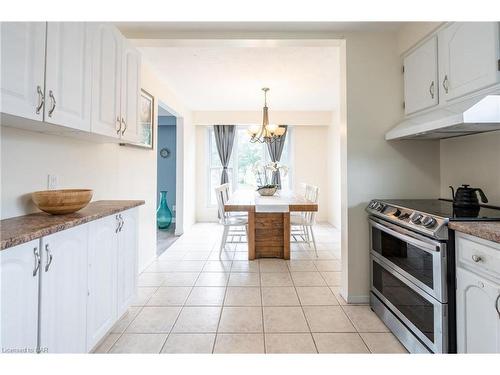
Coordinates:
(473,160)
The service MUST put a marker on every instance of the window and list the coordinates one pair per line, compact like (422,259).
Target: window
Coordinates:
(245,154)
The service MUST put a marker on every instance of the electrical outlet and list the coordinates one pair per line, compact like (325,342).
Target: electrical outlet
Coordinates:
(52,182)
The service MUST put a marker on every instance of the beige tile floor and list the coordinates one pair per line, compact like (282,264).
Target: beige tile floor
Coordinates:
(190,301)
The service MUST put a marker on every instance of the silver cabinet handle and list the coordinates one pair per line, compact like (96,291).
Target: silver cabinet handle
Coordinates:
(124,126)
(477,258)
(122,222)
(49,257)
(41,99)
(118,131)
(53,99)
(36,253)
(118,225)
(496,306)
(431,89)
(445,83)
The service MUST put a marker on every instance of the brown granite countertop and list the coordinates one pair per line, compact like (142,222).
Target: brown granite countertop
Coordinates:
(18,230)
(488,230)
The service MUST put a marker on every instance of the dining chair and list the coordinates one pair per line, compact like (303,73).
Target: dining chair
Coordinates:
(232,222)
(302,223)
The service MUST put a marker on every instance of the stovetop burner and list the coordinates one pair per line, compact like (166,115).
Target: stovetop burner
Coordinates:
(444,208)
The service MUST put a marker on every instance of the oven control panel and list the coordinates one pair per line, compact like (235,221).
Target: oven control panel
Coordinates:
(420,222)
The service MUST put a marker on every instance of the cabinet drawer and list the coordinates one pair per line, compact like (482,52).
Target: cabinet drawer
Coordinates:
(478,255)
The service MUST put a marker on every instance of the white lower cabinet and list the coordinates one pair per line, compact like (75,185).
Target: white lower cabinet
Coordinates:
(102,265)
(478,297)
(20,275)
(127,260)
(63,291)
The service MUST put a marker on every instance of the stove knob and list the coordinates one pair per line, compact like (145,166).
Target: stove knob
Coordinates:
(416,219)
(380,207)
(428,222)
(397,212)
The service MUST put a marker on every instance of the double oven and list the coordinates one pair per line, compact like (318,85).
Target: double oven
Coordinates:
(412,286)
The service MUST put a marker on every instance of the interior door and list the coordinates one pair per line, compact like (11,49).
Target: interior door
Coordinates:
(421,77)
(127,260)
(19,298)
(131,73)
(23,68)
(68,75)
(468,58)
(102,264)
(63,300)
(106,80)
(478,320)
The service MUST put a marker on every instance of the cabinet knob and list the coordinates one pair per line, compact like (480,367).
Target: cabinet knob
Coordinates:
(41,99)
(476,258)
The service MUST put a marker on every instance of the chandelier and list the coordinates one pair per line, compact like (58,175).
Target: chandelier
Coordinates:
(267,133)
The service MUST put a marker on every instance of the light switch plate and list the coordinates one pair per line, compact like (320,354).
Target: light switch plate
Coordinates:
(52,182)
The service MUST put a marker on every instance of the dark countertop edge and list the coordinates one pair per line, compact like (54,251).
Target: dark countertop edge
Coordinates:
(9,242)
(487,230)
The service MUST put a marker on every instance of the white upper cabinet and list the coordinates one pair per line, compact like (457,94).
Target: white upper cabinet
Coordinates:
(468,58)
(106,80)
(478,314)
(102,267)
(127,259)
(68,75)
(421,77)
(20,274)
(22,68)
(63,312)
(131,86)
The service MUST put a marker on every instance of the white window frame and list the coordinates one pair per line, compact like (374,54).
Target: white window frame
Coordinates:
(209,139)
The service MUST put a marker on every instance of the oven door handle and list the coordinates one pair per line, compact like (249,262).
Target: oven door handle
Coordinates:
(431,246)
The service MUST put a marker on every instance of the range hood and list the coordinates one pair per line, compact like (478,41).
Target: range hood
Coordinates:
(475,115)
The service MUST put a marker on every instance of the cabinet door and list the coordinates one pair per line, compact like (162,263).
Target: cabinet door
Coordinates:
(22,68)
(19,298)
(478,320)
(68,75)
(468,58)
(102,264)
(131,72)
(106,78)
(127,260)
(64,291)
(421,77)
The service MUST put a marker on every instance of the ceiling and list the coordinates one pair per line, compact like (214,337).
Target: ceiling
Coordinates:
(230,78)
(237,29)
(216,66)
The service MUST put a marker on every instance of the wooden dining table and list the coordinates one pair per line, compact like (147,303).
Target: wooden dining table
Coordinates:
(269,220)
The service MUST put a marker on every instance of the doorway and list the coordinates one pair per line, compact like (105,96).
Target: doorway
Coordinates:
(166,179)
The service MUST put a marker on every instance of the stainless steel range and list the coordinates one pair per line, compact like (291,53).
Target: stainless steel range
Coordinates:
(412,262)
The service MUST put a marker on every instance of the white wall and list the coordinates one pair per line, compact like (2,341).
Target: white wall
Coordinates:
(377,168)
(112,171)
(473,160)
(186,145)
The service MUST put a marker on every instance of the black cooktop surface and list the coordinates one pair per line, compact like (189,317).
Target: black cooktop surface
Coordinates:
(444,208)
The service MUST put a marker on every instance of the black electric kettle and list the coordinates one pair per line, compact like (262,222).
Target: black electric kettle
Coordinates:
(467,197)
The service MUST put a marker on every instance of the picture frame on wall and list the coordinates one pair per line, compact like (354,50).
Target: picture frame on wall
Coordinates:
(146,119)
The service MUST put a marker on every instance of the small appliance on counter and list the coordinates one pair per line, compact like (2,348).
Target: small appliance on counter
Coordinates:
(412,263)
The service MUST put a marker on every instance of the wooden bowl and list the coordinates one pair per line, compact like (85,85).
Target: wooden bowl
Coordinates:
(58,202)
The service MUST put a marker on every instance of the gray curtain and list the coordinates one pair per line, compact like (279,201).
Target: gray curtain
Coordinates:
(275,150)
(224,139)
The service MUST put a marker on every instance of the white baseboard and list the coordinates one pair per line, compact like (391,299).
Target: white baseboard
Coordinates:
(358,299)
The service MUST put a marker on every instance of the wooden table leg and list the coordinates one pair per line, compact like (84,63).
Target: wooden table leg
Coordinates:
(286,235)
(251,235)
